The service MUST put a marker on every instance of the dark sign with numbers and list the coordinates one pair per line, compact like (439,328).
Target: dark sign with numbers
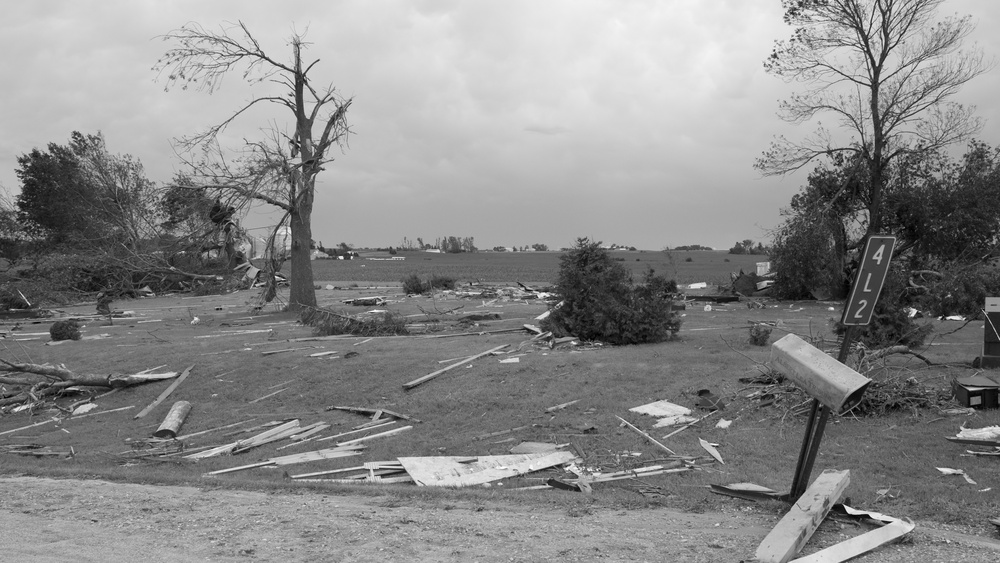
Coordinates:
(868,283)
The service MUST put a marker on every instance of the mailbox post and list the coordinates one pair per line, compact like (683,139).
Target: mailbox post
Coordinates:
(817,381)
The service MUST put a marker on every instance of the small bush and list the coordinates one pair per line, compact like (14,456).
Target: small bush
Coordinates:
(441,282)
(760,334)
(689,259)
(413,285)
(65,330)
(601,302)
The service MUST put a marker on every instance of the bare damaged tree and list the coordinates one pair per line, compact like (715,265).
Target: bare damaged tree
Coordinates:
(887,70)
(280,170)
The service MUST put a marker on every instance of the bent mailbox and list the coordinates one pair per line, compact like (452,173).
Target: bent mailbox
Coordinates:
(832,383)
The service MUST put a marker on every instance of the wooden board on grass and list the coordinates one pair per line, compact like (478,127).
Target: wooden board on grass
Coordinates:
(449,471)
(798,525)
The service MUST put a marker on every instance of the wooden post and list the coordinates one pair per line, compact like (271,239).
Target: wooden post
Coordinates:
(171,425)
(795,529)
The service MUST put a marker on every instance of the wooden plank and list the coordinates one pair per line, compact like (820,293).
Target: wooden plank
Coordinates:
(798,525)
(325,438)
(166,393)
(282,430)
(432,375)
(448,471)
(647,436)
(859,545)
(53,419)
(689,425)
(561,406)
(306,432)
(188,436)
(240,468)
(305,457)
(295,458)
(327,472)
(273,352)
(362,410)
(379,435)
(258,399)
(255,442)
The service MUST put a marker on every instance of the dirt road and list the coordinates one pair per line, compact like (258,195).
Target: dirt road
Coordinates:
(72,520)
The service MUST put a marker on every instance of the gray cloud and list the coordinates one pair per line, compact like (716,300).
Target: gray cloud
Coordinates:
(511,121)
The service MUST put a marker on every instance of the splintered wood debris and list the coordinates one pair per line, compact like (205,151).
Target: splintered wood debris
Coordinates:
(452,471)
(669,414)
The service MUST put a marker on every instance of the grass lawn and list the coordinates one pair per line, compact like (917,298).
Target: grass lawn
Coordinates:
(466,411)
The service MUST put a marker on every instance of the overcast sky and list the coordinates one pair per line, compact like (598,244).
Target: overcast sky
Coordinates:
(513,122)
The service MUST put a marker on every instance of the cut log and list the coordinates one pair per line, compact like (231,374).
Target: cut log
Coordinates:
(175,418)
(795,529)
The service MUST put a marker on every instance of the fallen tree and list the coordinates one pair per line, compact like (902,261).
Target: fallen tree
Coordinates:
(56,379)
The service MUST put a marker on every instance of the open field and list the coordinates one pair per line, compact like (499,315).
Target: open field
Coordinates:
(712,267)
(471,410)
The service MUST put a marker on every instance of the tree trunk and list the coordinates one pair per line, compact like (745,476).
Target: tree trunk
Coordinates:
(303,291)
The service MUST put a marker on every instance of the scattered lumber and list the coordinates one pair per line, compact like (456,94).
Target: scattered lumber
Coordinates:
(188,436)
(166,393)
(432,375)
(801,521)
(647,436)
(281,431)
(389,423)
(449,471)
(329,453)
(379,435)
(362,410)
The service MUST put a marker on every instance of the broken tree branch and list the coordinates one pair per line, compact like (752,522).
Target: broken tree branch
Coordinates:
(66,378)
